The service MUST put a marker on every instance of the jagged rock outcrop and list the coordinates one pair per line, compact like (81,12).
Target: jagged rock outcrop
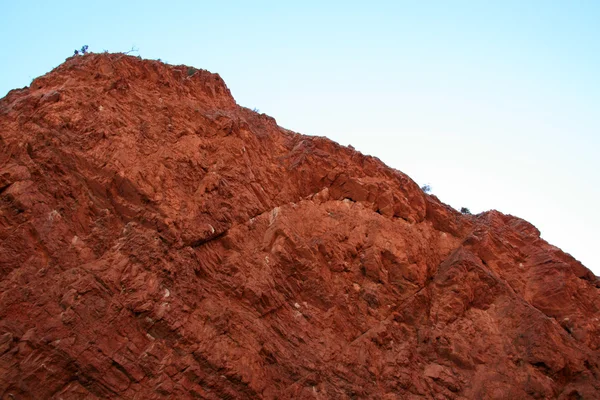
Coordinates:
(159,241)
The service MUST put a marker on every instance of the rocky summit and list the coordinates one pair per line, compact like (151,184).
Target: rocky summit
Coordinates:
(158,241)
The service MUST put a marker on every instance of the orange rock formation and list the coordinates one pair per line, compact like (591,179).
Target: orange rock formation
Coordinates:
(159,241)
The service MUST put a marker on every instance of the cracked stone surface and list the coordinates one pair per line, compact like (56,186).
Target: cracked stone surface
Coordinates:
(159,241)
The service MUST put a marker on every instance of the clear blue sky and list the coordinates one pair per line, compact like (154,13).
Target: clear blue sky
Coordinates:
(494,105)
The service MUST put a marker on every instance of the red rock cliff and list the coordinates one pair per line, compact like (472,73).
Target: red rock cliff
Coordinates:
(159,241)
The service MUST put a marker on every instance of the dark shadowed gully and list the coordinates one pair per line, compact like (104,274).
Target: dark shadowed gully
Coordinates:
(159,241)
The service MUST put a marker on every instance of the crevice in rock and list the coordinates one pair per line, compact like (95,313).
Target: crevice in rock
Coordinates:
(203,241)
(123,371)
(3,188)
(540,365)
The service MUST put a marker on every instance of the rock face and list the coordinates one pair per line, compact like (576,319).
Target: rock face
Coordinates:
(159,241)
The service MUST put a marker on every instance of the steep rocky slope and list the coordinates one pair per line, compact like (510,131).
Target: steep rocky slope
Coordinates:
(159,241)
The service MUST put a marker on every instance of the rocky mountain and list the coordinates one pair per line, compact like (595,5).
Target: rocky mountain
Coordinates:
(157,241)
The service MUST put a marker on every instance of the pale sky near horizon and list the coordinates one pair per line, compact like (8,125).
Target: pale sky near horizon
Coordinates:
(496,106)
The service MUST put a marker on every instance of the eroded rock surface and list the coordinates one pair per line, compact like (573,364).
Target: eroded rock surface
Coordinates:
(159,241)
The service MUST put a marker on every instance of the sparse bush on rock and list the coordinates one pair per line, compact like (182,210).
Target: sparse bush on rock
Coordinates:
(83,50)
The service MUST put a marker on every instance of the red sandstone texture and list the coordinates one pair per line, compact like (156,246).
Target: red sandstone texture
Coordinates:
(159,241)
